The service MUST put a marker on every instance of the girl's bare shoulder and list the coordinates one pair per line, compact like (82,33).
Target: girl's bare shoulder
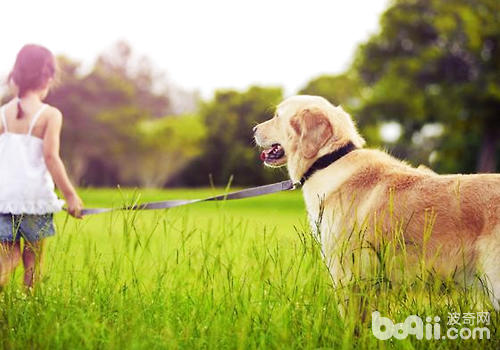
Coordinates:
(53,114)
(9,104)
(50,121)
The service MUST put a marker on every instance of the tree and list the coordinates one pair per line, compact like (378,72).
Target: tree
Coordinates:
(343,89)
(81,98)
(438,62)
(149,87)
(111,115)
(229,149)
(165,146)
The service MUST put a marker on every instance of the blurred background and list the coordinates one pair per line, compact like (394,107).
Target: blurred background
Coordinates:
(161,94)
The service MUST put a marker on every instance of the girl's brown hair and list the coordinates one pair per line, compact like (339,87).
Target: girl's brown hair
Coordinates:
(35,66)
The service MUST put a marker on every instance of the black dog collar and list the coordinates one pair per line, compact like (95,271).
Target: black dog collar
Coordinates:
(326,160)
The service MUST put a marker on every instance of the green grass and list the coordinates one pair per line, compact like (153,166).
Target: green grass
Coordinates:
(240,274)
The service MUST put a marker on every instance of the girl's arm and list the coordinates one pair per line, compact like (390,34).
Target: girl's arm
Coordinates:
(51,142)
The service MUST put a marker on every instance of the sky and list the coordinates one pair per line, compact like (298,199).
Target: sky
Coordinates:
(201,45)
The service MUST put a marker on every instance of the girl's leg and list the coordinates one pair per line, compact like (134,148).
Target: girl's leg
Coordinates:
(10,255)
(32,260)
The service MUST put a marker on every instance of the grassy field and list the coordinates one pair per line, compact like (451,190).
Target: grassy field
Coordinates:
(241,274)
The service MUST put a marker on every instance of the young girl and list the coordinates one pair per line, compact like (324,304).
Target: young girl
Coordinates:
(29,165)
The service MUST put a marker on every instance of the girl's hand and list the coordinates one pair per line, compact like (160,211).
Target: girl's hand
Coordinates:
(75,206)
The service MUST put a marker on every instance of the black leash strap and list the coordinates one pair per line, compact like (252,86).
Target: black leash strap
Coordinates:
(247,193)
(319,164)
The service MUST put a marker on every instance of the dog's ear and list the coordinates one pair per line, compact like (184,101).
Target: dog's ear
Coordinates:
(313,129)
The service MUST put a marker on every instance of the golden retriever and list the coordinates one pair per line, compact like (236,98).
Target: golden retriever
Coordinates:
(450,222)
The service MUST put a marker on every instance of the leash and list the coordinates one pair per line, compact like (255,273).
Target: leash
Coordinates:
(247,193)
(286,185)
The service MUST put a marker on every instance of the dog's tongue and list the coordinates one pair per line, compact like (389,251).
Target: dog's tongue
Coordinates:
(263,155)
(274,152)
(267,153)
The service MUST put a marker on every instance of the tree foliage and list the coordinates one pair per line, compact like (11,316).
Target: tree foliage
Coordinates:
(434,68)
(166,146)
(117,128)
(343,89)
(229,150)
(438,61)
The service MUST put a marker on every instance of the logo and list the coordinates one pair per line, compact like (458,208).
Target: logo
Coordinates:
(384,328)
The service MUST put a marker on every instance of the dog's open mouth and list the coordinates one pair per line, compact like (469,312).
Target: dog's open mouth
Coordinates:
(273,155)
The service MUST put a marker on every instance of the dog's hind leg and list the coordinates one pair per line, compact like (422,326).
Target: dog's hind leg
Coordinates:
(492,284)
(489,266)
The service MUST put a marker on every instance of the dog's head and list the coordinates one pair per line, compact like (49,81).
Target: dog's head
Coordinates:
(303,129)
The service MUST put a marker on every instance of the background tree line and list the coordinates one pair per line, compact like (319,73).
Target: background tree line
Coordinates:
(431,73)
(434,68)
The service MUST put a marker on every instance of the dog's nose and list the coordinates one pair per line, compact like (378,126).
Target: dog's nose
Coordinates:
(254,129)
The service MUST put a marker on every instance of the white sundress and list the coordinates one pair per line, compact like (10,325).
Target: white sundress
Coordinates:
(26,186)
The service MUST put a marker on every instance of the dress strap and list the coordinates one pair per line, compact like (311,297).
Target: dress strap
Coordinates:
(35,118)
(4,120)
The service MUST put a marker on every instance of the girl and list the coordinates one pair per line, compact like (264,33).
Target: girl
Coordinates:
(29,165)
